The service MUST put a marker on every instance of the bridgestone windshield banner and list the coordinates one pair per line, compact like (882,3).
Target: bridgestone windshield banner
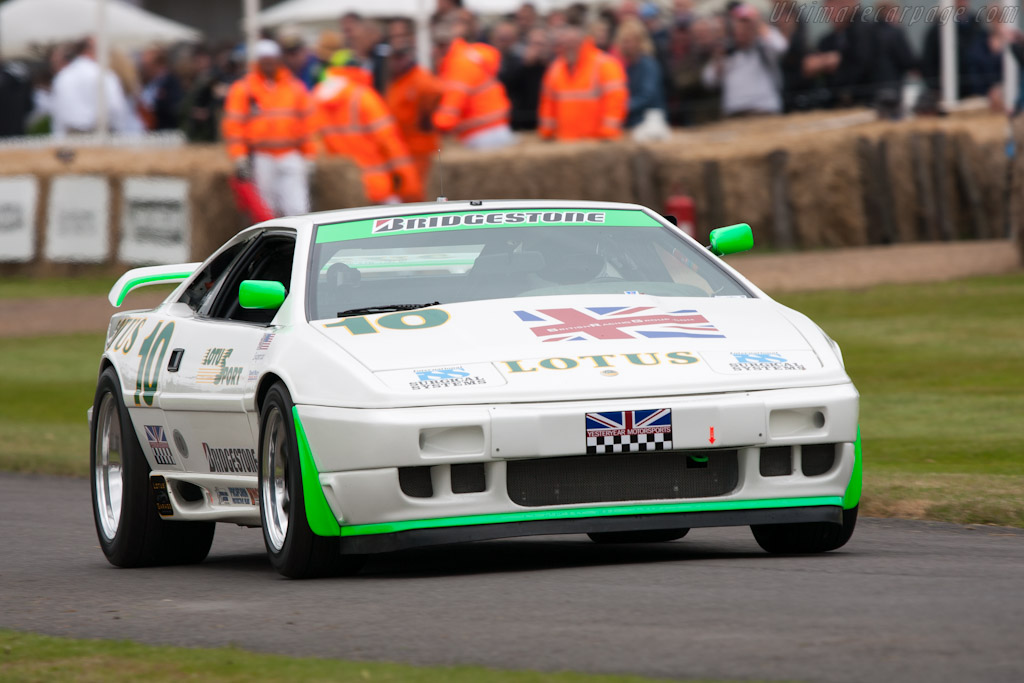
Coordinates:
(476,220)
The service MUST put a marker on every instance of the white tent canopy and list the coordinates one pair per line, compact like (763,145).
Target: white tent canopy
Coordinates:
(24,23)
(322,11)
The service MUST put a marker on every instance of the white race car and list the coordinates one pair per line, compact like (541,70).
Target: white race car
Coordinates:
(373,379)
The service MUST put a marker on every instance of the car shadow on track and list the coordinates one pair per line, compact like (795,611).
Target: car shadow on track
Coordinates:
(525,555)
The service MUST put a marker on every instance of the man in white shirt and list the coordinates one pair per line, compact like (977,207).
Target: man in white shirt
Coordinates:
(76,94)
(749,74)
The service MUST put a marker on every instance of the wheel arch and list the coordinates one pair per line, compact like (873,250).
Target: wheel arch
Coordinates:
(266,381)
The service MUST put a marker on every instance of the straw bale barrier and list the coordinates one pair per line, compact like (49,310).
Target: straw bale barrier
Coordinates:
(825,179)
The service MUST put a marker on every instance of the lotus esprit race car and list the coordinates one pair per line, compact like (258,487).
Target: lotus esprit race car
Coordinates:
(373,379)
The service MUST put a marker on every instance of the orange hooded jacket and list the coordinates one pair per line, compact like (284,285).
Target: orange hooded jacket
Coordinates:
(412,97)
(353,121)
(268,116)
(589,100)
(474,99)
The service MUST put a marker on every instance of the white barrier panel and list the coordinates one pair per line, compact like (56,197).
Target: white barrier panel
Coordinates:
(77,227)
(18,196)
(154,221)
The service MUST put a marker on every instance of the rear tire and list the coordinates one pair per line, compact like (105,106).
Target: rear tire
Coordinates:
(806,538)
(130,531)
(294,550)
(649,536)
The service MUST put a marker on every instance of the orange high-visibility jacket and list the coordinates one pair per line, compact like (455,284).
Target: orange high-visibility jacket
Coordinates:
(587,101)
(269,116)
(412,98)
(474,99)
(353,121)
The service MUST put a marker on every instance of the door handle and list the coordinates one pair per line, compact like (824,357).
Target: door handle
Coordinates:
(175,361)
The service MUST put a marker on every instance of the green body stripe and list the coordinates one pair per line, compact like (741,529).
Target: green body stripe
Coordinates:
(582,513)
(150,280)
(852,496)
(322,521)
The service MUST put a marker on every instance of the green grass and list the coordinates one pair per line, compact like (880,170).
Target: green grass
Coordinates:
(28,657)
(940,368)
(48,385)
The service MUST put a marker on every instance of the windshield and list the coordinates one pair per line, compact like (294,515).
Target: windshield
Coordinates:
(422,259)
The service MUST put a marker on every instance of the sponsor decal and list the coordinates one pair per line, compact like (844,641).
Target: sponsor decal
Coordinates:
(214,368)
(454,220)
(761,362)
(265,342)
(607,360)
(237,495)
(445,378)
(617,322)
(253,375)
(629,431)
(163,500)
(157,439)
(610,373)
(230,460)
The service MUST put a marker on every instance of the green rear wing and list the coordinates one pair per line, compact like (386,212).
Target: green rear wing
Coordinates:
(150,275)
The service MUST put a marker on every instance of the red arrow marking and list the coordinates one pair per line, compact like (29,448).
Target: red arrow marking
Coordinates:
(711,437)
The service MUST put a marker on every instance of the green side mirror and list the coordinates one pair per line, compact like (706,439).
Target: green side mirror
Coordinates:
(731,239)
(265,295)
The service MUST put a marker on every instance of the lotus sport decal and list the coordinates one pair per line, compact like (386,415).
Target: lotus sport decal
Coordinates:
(617,322)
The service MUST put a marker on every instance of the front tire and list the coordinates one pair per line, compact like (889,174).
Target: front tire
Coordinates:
(130,531)
(805,538)
(649,536)
(294,550)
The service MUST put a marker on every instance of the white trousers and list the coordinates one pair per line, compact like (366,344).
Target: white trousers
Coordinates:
(282,182)
(490,138)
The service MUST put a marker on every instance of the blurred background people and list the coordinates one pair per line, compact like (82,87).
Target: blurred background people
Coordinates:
(474,105)
(584,93)
(162,91)
(364,38)
(748,70)
(643,73)
(353,121)
(74,105)
(412,96)
(846,57)
(522,73)
(268,127)
(297,57)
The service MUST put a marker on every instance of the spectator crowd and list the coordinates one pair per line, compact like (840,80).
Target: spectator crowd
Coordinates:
(585,72)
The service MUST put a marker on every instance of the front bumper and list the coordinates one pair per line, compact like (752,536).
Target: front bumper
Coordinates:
(357,455)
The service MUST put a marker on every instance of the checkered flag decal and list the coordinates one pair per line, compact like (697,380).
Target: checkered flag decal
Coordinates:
(629,431)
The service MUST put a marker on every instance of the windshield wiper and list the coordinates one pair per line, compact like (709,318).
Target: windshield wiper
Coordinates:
(367,310)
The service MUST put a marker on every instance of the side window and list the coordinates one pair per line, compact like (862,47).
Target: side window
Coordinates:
(203,284)
(269,259)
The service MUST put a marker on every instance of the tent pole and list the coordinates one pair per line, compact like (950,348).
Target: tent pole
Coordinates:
(1011,72)
(422,34)
(103,58)
(948,55)
(250,12)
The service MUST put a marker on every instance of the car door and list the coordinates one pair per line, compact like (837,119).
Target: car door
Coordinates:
(203,398)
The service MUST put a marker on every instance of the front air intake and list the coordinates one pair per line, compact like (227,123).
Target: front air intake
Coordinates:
(614,478)
(817,458)
(776,461)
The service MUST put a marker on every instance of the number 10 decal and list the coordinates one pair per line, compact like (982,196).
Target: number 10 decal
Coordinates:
(154,347)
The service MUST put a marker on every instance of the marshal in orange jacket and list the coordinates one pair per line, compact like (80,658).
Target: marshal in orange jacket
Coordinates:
(474,99)
(587,101)
(268,116)
(412,97)
(353,121)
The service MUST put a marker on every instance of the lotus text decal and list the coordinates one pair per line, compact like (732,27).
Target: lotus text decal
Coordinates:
(617,322)
(599,361)
(214,368)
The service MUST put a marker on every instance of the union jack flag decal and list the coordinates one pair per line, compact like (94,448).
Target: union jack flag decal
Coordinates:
(629,431)
(617,322)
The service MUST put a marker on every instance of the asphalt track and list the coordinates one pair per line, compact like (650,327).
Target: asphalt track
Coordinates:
(904,601)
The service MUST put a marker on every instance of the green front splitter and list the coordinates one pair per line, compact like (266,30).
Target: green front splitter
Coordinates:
(590,512)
